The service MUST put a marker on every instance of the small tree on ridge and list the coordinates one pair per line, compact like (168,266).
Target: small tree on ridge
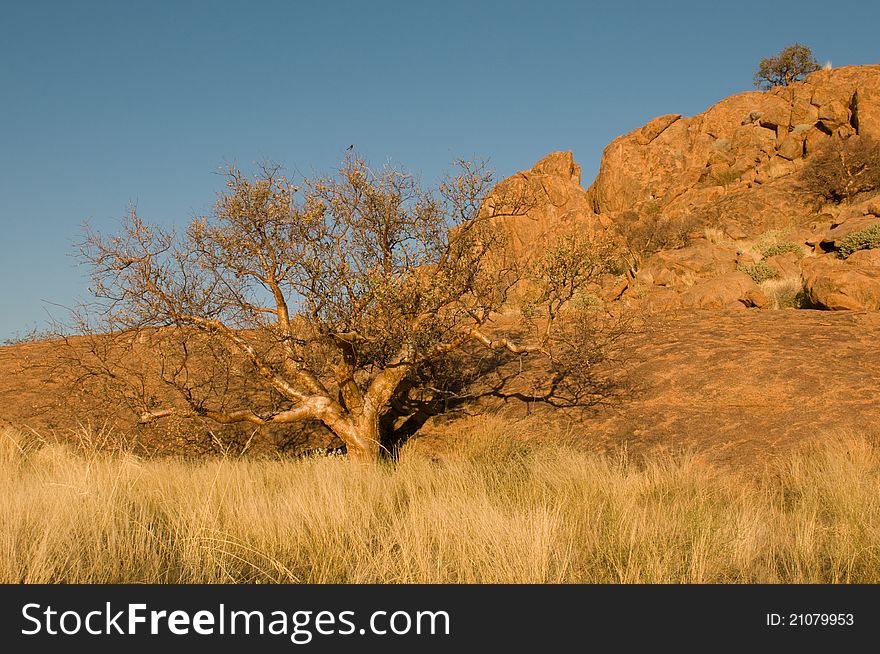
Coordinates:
(790,65)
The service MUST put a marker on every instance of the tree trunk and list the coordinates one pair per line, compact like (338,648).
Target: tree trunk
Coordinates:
(359,432)
(359,428)
(363,442)
(363,455)
(364,447)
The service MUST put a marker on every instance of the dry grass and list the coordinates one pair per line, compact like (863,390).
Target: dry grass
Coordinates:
(501,510)
(714,235)
(785,293)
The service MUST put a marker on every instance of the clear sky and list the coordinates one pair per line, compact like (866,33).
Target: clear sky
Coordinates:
(104,104)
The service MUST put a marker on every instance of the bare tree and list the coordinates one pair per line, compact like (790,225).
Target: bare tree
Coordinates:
(322,302)
(843,168)
(645,234)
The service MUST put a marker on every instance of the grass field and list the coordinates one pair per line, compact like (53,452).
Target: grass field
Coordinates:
(503,509)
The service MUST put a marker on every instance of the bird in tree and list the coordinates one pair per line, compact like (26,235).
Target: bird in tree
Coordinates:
(791,65)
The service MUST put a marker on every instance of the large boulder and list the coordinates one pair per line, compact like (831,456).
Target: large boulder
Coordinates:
(787,264)
(864,259)
(685,266)
(734,290)
(554,203)
(835,285)
(866,109)
(657,299)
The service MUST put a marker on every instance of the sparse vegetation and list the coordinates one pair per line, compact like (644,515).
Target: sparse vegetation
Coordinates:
(843,169)
(790,65)
(501,509)
(786,293)
(865,239)
(30,336)
(768,244)
(783,293)
(782,248)
(726,178)
(770,238)
(760,271)
(715,236)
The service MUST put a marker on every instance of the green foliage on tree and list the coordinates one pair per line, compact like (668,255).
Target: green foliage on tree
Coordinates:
(790,65)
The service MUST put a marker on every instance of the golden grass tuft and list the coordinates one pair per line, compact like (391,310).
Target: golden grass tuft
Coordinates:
(715,235)
(500,508)
(785,293)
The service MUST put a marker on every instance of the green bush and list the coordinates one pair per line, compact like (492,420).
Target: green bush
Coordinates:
(866,239)
(760,272)
(782,248)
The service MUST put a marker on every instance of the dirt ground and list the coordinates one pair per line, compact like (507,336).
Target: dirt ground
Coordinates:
(738,386)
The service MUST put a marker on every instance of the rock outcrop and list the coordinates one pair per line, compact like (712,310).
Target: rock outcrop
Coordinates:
(555,203)
(731,174)
(734,290)
(853,219)
(734,163)
(865,259)
(684,266)
(846,288)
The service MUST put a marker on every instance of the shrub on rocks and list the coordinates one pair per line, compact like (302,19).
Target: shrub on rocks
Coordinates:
(782,248)
(843,169)
(865,239)
(760,272)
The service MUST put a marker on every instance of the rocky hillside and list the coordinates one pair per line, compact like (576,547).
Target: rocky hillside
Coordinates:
(735,176)
(558,203)
(736,163)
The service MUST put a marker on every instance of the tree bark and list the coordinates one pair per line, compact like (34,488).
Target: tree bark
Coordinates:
(366,449)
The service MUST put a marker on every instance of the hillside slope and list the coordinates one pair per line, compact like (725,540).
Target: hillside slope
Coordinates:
(736,385)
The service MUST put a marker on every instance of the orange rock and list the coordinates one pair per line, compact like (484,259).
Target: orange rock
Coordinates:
(736,168)
(834,236)
(787,264)
(560,205)
(733,290)
(683,267)
(758,136)
(835,286)
(864,259)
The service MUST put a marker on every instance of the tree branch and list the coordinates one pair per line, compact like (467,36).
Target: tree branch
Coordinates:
(297,414)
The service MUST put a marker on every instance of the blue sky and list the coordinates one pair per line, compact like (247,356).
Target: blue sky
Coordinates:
(104,104)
